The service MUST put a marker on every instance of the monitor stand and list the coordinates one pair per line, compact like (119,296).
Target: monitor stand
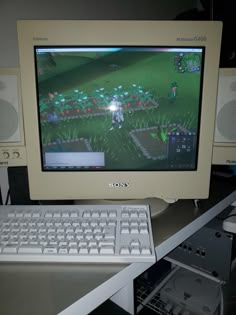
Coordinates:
(157,206)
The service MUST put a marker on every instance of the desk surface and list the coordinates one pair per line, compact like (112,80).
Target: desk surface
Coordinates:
(50,289)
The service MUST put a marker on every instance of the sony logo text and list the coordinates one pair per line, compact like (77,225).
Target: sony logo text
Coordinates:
(118,185)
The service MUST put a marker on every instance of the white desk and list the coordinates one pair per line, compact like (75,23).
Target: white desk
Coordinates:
(50,289)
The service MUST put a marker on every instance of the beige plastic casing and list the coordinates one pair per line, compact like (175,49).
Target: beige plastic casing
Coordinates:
(224,149)
(13,153)
(143,184)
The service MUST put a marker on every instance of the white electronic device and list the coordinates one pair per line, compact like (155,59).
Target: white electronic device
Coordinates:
(224,149)
(229,224)
(12,143)
(193,293)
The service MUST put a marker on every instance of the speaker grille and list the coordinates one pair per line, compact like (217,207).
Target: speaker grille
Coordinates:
(225,125)
(8,120)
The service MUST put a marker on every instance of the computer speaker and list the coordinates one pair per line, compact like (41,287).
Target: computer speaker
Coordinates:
(224,149)
(12,143)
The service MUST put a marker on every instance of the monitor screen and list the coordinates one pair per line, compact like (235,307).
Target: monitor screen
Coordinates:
(119,109)
(112,109)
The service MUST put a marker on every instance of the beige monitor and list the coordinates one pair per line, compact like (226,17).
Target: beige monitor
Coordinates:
(119,110)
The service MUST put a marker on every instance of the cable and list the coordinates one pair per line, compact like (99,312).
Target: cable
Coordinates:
(8,197)
(233,265)
(229,216)
(1,201)
(221,301)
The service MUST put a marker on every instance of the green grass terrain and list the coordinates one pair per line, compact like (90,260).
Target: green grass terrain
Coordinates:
(153,72)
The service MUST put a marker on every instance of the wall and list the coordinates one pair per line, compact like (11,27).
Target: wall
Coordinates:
(12,10)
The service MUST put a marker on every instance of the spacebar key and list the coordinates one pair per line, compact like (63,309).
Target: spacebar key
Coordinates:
(30,249)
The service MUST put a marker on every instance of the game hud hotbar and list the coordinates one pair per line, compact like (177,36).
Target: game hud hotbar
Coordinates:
(119,108)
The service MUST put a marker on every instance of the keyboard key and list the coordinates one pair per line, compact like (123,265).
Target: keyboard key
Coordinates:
(72,244)
(143,223)
(134,230)
(50,250)
(37,249)
(94,223)
(62,244)
(104,214)
(86,214)
(143,230)
(98,236)
(97,229)
(135,242)
(124,230)
(76,224)
(103,223)
(124,251)
(9,248)
(125,214)
(63,250)
(88,230)
(111,222)
(93,250)
(107,250)
(106,243)
(124,223)
(133,214)
(92,243)
(73,250)
(89,236)
(85,224)
(83,250)
(145,251)
(95,214)
(112,214)
(79,237)
(83,243)
(135,250)
(142,214)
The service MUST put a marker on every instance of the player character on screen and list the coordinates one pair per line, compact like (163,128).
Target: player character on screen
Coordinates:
(173,93)
(52,116)
(174,88)
(117,117)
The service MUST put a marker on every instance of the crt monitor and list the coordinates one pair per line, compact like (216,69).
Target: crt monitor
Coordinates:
(119,110)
